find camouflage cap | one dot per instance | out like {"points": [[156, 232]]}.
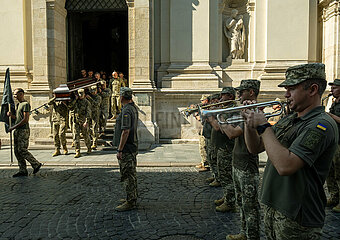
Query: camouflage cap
{"points": [[300, 73], [336, 82], [249, 84], [204, 96], [94, 88], [229, 90], [81, 91], [125, 92], [214, 96]]}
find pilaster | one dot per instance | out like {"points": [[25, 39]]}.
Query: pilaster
{"points": [[331, 37], [141, 68]]}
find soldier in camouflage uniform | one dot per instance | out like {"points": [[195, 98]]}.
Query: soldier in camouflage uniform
{"points": [[82, 118], [95, 100], [60, 124], [105, 93], [22, 134], [212, 148], [245, 170], [122, 78], [333, 179], [300, 149], [202, 142], [117, 83], [126, 140], [224, 158]]}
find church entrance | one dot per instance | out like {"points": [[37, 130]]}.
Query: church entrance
{"points": [[97, 36]]}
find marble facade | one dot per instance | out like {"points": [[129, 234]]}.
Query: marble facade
{"points": [[177, 52]]}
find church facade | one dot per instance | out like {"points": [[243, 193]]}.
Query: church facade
{"points": [[172, 51]]}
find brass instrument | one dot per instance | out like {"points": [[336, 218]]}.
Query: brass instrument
{"points": [[239, 118], [190, 110], [325, 98]]}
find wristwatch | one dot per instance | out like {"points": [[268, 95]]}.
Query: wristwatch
{"points": [[261, 128]]}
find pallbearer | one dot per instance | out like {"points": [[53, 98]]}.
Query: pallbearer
{"points": [[81, 120]]}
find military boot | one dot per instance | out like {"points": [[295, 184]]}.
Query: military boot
{"points": [[94, 147], [65, 150], [336, 208], [210, 179], [225, 208], [239, 236], [56, 153], [89, 150], [215, 184], [126, 206], [219, 202], [77, 154]]}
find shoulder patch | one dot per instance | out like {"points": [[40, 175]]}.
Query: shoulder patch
{"points": [[312, 139], [321, 126]]}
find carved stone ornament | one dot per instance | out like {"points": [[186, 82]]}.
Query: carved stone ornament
{"points": [[234, 31]]}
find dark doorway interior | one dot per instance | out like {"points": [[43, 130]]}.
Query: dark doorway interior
{"points": [[97, 41]]}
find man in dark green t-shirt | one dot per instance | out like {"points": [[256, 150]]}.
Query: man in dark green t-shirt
{"points": [[22, 134], [300, 148], [224, 156], [245, 170], [333, 179], [125, 138]]}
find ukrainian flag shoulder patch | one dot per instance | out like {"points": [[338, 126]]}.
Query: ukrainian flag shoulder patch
{"points": [[321, 126]]}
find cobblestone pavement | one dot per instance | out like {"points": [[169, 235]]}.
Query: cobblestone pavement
{"points": [[78, 203]]}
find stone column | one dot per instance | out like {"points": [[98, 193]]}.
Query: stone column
{"points": [[141, 68], [49, 59], [331, 38]]}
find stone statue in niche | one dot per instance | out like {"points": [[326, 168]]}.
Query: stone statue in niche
{"points": [[235, 33]]}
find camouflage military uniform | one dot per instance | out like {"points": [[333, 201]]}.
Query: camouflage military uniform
{"points": [[295, 204], [333, 179], [60, 119], [21, 139], [81, 114], [95, 101], [203, 150], [128, 119], [104, 108], [224, 167], [246, 178], [116, 105]]}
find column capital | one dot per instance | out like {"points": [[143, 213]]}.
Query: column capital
{"points": [[130, 3]]}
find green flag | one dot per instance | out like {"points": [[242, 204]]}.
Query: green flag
{"points": [[7, 98]]}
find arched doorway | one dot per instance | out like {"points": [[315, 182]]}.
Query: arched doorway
{"points": [[97, 36]]}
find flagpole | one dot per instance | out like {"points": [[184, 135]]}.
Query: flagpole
{"points": [[10, 133]]}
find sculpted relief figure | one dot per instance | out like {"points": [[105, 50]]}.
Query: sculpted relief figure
{"points": [[235, 33]]}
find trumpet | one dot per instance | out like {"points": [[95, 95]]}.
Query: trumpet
{"points": [[190, 110], [238, 118], [326, 98]]}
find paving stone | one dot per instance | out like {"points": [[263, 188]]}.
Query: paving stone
{"points": [[78, 203]]}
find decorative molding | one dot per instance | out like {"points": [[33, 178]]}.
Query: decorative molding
{"points": [[331, 10], [130, 3], [251, 6]]}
